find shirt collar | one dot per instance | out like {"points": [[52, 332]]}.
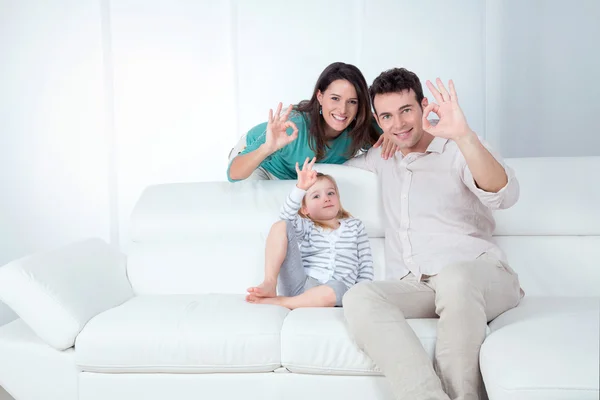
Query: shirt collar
{"points": [[437, 145]]}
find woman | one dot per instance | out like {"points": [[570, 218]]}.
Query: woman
{"points": [[333, 126]]}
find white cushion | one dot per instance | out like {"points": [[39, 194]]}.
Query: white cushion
{"points": [[185, 211], [532, 307], [555, 265], [317, 341], [6, 314], [558, 197], [212, 265], [183, 333], [265, 386], [56, 293], [31, 369], [174, 211], [183, 233], [544, 349]]}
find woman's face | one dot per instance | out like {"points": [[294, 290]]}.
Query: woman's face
{"points": [[340, 106]]}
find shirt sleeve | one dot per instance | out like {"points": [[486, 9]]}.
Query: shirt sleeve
{"points": [[505, 197], [369, 161], [255, 138], [289, 212], [365, 258]]}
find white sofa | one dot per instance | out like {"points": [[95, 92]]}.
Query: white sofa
{"points": [[169, 321]]}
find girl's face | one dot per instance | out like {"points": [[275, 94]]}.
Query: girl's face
{"points": [[339, 104], [321, 202]]}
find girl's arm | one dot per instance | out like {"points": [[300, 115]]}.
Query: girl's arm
{"points": [[291, 206], [289, 211]]}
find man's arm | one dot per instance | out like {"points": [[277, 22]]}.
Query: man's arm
{"points": [[482, 172], [452, 124], [488, 173], [498, 198]]}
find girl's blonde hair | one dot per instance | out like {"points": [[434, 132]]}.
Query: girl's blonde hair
{"points": [[342, 214]]}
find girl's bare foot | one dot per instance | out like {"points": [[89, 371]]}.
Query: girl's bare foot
{"points": [[278, 300], [266, 289]]}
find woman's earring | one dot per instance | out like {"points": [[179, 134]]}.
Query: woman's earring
{"points": [[321, 110]]}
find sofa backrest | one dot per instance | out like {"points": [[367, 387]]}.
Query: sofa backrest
{"points": [[209, 237]]}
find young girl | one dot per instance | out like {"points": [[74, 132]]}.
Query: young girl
{"points": [[317, 250]]}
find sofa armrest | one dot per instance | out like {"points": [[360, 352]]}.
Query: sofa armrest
{"points": [[56, 293]]}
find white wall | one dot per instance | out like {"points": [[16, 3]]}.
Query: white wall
{"points": [[541, 74], [53, 148], [280, 58], [99, 98], [433, 39], [174, 90]]}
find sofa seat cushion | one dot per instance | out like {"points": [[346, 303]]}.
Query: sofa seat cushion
{"points": [[546, 348], [183, 333], [317, 341]]}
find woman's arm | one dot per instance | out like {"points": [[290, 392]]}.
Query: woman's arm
{"points": [[242, 166], [275, 138]]}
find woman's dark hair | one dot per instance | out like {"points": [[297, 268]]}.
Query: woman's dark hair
{"points": [[362, 132]]}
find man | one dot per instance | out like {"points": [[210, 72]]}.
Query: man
{"points": [[438, 193]]}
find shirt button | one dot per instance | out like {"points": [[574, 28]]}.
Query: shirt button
{"points": [[405, 236], [404, 196]]}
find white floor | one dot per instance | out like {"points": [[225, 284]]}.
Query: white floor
{"points": [[4, 395]]}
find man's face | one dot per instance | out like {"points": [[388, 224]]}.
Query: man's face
{"points": [[400, 115]]}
